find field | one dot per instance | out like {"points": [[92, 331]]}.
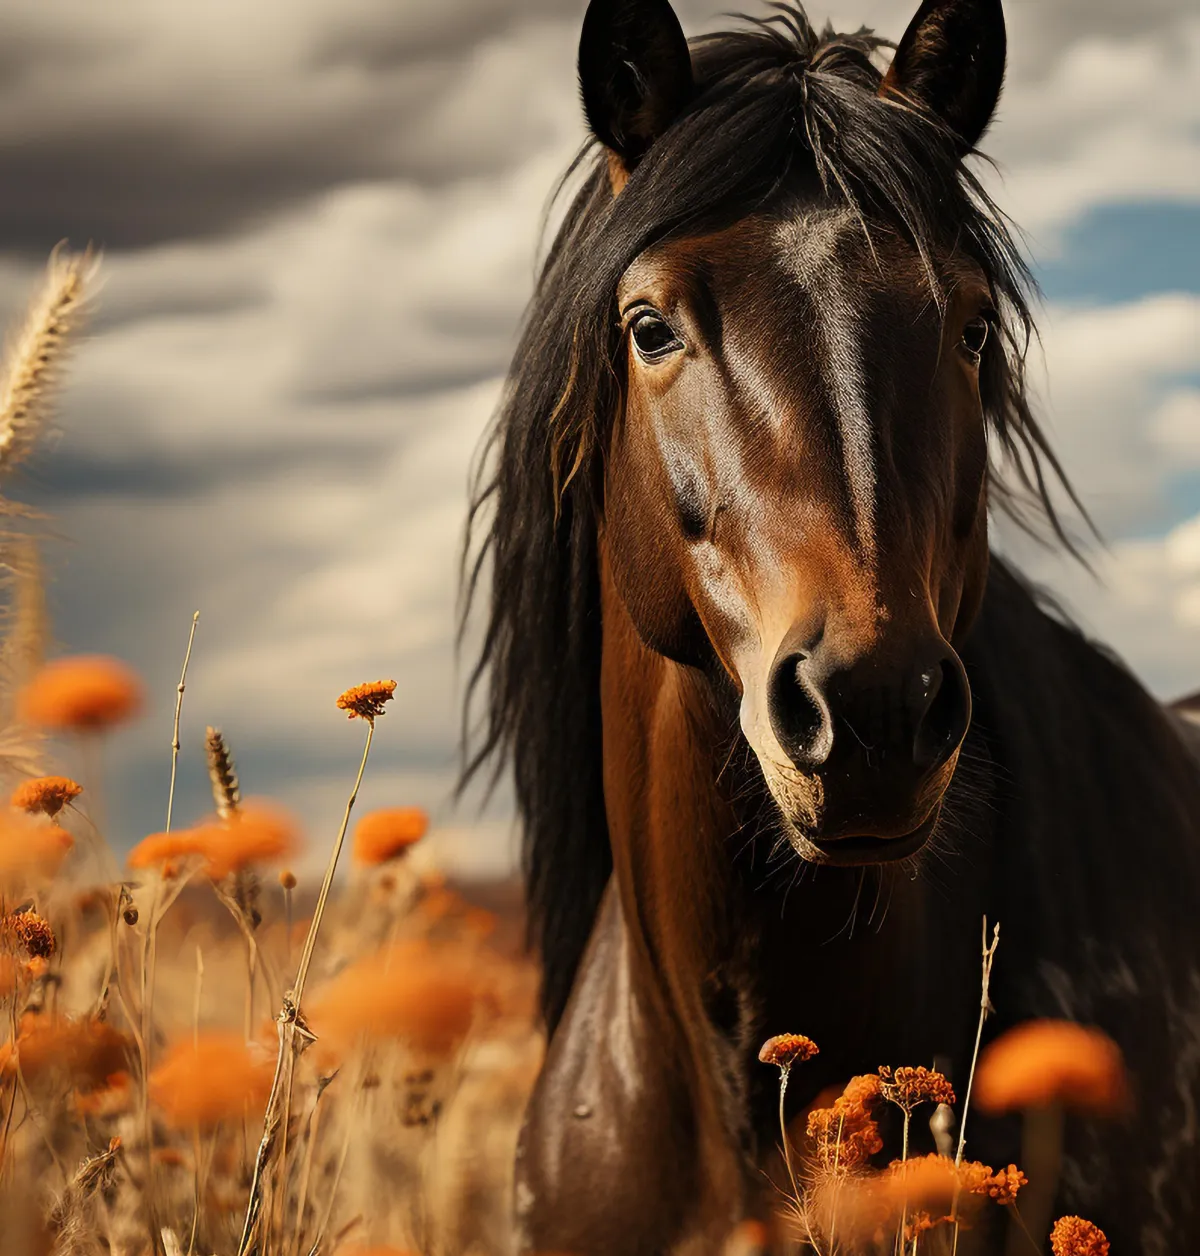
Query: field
{"points": [[202, 1055]]}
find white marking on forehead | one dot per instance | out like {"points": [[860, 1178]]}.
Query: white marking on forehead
{"points": [[808, 245]]}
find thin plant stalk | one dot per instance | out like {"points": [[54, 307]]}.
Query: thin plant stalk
{"points": [[837, 1188], [150, 940], [178, 710], [787, 1150], [989, 956], [290, 1023], [903, 1159], [351, 1127], [314, 1125]]}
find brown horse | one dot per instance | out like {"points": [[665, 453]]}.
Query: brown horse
{"points": [[781, 731]]}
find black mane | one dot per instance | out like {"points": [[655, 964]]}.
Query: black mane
{"points": [[778, 109]]}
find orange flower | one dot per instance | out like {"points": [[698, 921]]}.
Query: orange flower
{"points": [[923, 1182], [211, 1081], [908, 1087], [47, 794], [382, 835], [29, 847], [163, 848], [1042, 1062], [88, 1051], [257, 832], [784, 1050], [410, 990], [1004, 1185], [366, 701], [31, 932], [846, 1135], [82, 692], [1073, 1236]]}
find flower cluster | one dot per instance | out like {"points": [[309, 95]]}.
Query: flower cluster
{"points": [[213, 1079], [1045, 1062], [1073, 1236], [908, 1087], [367, 701], [84, 693], [46, 794], [257, 832], [784, 1050], [383, 834], [29, 932], [846, 1135]]}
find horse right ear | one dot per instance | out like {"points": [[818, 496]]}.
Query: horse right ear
{"points": [[635, 73]]}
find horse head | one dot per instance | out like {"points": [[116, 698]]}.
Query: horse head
{"points": [[795, 481]]}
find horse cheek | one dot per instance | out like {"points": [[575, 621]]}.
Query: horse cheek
{"points": [[647, 559]]}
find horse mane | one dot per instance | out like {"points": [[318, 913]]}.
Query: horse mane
{"points": [[778, 109]]}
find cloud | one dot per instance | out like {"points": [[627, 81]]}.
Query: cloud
{"points": [[1108, 384], [1143, 601]]}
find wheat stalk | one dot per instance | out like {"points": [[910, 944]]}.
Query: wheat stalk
{"points": [[36, 353], [227, 793]]}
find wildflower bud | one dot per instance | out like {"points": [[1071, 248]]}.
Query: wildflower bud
{"points": [[784, 1050], [287, 879], [130, 916]]}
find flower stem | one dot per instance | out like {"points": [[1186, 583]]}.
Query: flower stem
{"points": [[311, 940], [989, 955], [787, 1147], [290, 1025]]}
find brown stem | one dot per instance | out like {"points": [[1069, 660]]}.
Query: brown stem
{"points": [[291, 1025]]}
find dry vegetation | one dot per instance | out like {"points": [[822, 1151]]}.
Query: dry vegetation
{"points": [[200, 1056]]}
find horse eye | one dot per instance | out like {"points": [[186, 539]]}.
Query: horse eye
{"points": [[975, 336], [653, 336]]}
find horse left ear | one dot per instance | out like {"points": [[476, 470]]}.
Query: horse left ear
{"points": [[951, 62], [635, 74]]}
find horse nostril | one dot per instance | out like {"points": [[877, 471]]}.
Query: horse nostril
{"points": [[799, 717], [947, 702]]}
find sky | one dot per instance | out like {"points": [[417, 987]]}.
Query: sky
{"points": [[320, 223]]}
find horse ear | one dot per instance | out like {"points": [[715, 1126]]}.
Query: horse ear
{"points": [[951, 62], [635, 73]]}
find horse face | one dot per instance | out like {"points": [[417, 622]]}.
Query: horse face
{"points": [[795, 496], [795, 487]]}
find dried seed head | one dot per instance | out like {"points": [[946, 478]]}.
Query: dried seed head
{"points": [[130, 916], [227, 794], [367, 701], [908, 1087], [784, 1050], [1073, 1236], [287, 878], [36, 353], [46, 794], [29, 931]]}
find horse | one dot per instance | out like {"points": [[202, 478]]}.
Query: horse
{"points": [[782, 727]]}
